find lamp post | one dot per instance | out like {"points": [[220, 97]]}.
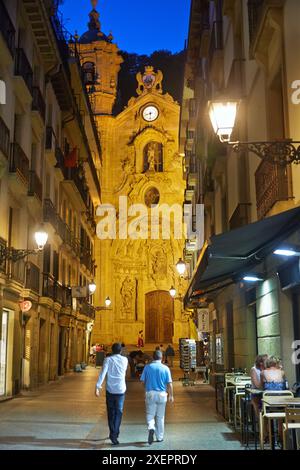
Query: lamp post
{"points": [[14, 255], [106, 306], [223, 116]]}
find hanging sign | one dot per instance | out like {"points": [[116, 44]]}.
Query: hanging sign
{"points": [[203, 319], [25, 306], [79, 292]]}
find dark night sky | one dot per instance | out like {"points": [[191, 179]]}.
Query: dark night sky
{"points": [[137, 26]]}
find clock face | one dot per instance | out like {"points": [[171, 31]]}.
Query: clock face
{"points": [[150, 113]]}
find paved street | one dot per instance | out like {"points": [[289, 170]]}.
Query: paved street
{"points": [[66, 415]]}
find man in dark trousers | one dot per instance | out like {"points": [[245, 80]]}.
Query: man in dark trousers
{"points": [[114, 367]]}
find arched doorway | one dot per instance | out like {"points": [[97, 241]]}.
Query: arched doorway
{"points": [[159, 317]]}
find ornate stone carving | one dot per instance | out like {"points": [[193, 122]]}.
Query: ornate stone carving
{"points": [[159, 264], [150, 81], [128, 294]]}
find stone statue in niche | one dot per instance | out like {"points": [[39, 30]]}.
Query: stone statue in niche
{"points": [[159, 265], [127, 293], [151, 158]]}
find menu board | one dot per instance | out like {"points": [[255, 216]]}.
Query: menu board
{"points": [[219, 349]]}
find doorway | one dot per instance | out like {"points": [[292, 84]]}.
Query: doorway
{"points": [[159, 317]]}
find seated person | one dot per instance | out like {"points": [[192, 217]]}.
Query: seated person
{"points": [[273, 376]]}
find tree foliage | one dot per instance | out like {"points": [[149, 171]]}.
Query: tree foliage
{"points": [[172, 66]]}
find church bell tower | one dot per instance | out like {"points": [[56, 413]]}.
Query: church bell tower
{"points": [[101, 62]]}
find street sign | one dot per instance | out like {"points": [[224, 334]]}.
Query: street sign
{"points": [[80, 292], [25, 306], [203, 319]]}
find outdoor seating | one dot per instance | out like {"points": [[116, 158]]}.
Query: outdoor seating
{"points": [[292, 422]]}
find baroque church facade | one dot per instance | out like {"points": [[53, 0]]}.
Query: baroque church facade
{"points": [[140, 165]]}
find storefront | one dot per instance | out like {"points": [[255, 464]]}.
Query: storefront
{"points": [[6, 353], [255, 292]]}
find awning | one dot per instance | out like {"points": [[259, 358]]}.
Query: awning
{"points": [[227, 257]]}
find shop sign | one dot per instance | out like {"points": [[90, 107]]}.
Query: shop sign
{"points": [[79, 292], [25, 306], [2, 92], [203, 319]]}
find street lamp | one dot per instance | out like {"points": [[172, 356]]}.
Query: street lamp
{"points": [[92, 288], [223, 115], [107, 305], [172, 292], [8, 253], [181, 267]]}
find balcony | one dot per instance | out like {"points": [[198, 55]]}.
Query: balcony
{"points": [[87, 310], [32, 277], [8, 33], [258, 10], [241, 216], [60, 227], [23, 77], [35, 185], [38, 109], [48, 289], [17, 271], [4, 139], [192, 174], [272, 186], [50, 138], [3, 245], [19, 166], [86, 259]]}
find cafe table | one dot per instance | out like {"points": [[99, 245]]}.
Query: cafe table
{"points": [[278, 404]]}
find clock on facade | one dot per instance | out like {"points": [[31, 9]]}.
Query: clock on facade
{"points": [[150, 113]]}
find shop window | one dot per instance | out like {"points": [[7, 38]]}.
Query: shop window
{"points": [[3, 352]]}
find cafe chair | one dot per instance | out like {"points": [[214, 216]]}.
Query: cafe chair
{"points": [[266, 413], [292, 422]]}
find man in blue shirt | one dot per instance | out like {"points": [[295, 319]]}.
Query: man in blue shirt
{"points": [[158, 383]]}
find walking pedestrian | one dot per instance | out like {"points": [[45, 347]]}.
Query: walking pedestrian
{"points": [[114, 367], [169, 355], [158, 384]]}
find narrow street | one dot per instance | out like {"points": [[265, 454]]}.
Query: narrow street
{"points": [[65, 415]]}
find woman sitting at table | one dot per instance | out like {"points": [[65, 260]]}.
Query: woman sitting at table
{"points": [[255, 374], [273, 377]]}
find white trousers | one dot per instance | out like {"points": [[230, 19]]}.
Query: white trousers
{"points": [[155, 412]]}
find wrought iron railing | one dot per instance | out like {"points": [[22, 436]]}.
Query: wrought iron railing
{"points": [[216, 40], [50, 138], [88, 310], [255, 9], [272, 185], [19, 162], [3, 266], [38, 103], [7, 28], [48, 289], [23, 68], [35, 185], [4, 138], [32, 277]]}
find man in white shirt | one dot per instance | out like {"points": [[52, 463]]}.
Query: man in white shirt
{"points": [[114, 367]]}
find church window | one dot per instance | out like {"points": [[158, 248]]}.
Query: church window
{"points": [[153, 157], [89, 73]]}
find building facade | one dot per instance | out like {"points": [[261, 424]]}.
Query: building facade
{"points": [[50, 160], [245, 51], [141, 165]]}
